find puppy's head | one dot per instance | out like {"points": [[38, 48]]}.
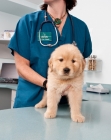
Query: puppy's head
{"points": [[66, 62]]}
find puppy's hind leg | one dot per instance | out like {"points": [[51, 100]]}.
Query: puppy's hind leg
{"points": [[52, 104], [43, 102]]}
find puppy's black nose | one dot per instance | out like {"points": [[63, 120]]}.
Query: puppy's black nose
{"points": [[66, 70]]}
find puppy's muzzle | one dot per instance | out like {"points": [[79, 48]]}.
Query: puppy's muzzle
{"points": [[66, 70]]}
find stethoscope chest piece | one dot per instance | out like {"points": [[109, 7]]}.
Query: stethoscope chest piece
{"points": [[74, 43]]}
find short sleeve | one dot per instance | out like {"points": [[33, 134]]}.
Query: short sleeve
{"points": [[20, 41], [88, 44]]}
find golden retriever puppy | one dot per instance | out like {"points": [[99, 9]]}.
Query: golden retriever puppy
{"points": [[65, 77]]}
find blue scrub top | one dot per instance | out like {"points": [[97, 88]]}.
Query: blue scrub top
{"points": [[25, 42]]}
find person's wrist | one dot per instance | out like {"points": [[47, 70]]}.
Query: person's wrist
{"points": [[45, 84]]}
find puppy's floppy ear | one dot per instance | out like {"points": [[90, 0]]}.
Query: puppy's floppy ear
{"points": [[50, 64], [82, 66]]}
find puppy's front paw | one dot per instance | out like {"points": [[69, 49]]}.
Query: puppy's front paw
{"points": [[78, 118], [49, 115], [40, 105]]}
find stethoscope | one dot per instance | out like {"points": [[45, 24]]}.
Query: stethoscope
{"points": [[49, 21]]}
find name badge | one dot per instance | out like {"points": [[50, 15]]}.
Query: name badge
{"points": [[45, 36]]}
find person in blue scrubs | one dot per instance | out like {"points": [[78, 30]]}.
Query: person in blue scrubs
{"points": [[31, 57]]}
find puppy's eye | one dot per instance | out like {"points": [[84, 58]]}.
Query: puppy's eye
{"points": [[61, 59], [73, 61]]}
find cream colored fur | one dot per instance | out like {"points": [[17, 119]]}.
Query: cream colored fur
{"points": [[65, 76]]}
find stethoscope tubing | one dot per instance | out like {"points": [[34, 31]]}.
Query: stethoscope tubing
{"points": [[48, 21], [49, 45]]}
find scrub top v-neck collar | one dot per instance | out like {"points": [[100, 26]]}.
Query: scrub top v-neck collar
{"points": [[64, 29]]}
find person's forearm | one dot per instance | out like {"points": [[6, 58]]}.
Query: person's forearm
{"points": [[30, 75], [26, 72]]}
